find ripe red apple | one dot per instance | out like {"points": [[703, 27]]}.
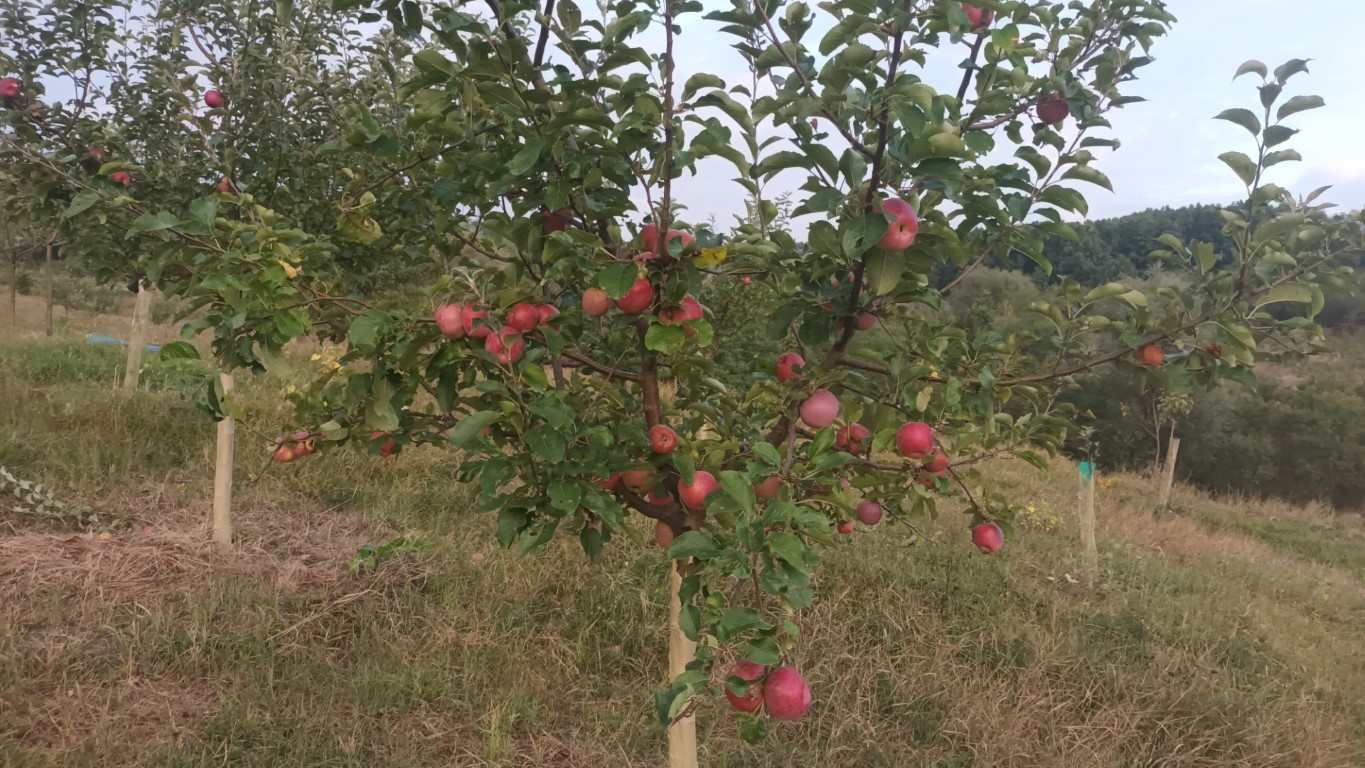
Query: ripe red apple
{"points": [[637, 299], [851, 438], [846, 527], [979, 17], [785, 694], [820, 409], [768, 488], [900, 232], [1150, 354], [869, 512], [596, 302], [865, 320], [694, 494], [450, 319], [121, 177], [284, 454], [749, 672], [556, 221], [385, 450], [915, 439], [692, 308], [611, 482], [224, 186], [640, 480], [9, 87], [662, 439], [213, 99], [938, 462], [663, 535], [1215, 351], [649, 238], [476, 322], [1052, 108], [523, 317], [660, 496], [988, 538], [506, 345], [546, 311], [789, 366], [98, 153]]}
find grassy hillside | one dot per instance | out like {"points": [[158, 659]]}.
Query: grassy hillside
{"points": [[1226, 633]]}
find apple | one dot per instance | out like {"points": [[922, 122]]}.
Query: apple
{"points": [[789, 366], [694, 493], [98, 153], [121, 177], [851, 438], [663, 534], [820, 409], [213, 99], [284, 454], [224, 186], [748, 280], [640, 480], [660, 496], [596, 302], [869, 512], [865, 320], [662, 439], [385, 450], [692, 309], [547, 312], [1150, 354], [450, 319], [523, 317], [637, 299], [1215, 351], [506, 345], [749, 672], [768, 488], [1052, 108], [988, 538], [473, 329], [556, 221], [900, 232], [979, 17], [9, 87], [915, 439], [611, 482], [846, 527], [938, 462], [649, 237], [785, 694]]}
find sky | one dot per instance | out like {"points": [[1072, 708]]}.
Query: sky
{"points": [[1171, 142]]}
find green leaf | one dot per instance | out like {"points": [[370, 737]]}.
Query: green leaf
{"points": [[1278, 134], [80, 203], [179, 350], [1289, 69], [591, 539], [546, 442], [1299, 104], [617, 279], [1281, 156], [668, 339], [1243, 117], [790, 548], [380, 414], [468, 428], [205, 211], [739, 620], [1241, 165], [763, 650], [1296, 293], [699, 81], [429, 60], [1086, 173], [1135, 299], [1252, 65], [696, 544], [737, 486], [565, 496], [153, 222], [1106, 291], [510, 523], [1204, 255], [860, 235], [884, 270], [527, 157]]}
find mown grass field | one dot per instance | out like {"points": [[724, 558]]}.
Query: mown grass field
{"points": [[1224, 633]]}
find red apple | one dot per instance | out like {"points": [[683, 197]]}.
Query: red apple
{"points": [[1150, 354], [640, 480], [476, 322], [9, 87], [506, 345], [694, 494], [915, 439], [556, 221], [98, 153], [637, 299], [121, 177], [450, 319], [900, 232], [649, 238], [938, 462], [768, 488], [988, 538], [865, 320], [1215, 351], [546, 311], [979, 17], [596, 302], [785, 694], [523, 317], [611, 482], [789, 366], [752, 673], [747, 280], [851, 438], [820, 409], [224, 186], [660, 496], [692, 309], [846, 527], [869, 512], [663, 535], [213, 99], [662, 439], [1052, 108], [284, 454], [385, 450]]}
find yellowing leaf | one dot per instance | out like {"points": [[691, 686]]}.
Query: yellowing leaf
{"points": [[710, 257]]}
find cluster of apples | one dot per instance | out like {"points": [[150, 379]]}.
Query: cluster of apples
{"points": [[508, 343], [782, 691], [297, 445]]}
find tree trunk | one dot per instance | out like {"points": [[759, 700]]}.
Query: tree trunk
{"points": [[1172, 451], [49, 288], [682, 735], [1089, 553], [222, 475], [138, 338]]}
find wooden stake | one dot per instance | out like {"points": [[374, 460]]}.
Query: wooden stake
{"points": [[1172, 451], [682, 735], [222, 475], [49, 288], [138, 338], [1089, 553]]}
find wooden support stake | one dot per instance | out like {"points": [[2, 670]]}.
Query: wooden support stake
{"points": [[138, 338], [49, 288], [222, 475], [682, 734], [1089, 553], [1172, 451]]}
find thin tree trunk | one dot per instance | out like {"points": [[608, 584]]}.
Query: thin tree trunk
{"points": [[49, 288], [222, 475], [138, 338], [682, 734]]}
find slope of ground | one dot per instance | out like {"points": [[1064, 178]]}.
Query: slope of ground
{"points": [[1222, 633]]}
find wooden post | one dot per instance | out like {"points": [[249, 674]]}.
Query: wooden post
{"points": [[1090, 555], [682, 734], [138, 338], [1172, 451], [49, 287], [222, 475], [14, 291]]}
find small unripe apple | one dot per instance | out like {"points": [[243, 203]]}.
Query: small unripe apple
{"points": [[662, 439], [865, 321], [901, 231], [869, 512], [846, 527], [476, 322], [789, 366], [988, 537], [506, 345], [785, 694], [213, 99], [640, 480], [663, 534], [768, 488], [1052, 108], [694, 494], [820, 409], [121, 177], [596, 302], [224, 186], [851, 438], [523, 317], [284, 454], [637, 299], [979, 17], [386, 449], [1150, 354], [450, 319], [938, 462], [9, 87], [752, 673], [915, 439]]}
